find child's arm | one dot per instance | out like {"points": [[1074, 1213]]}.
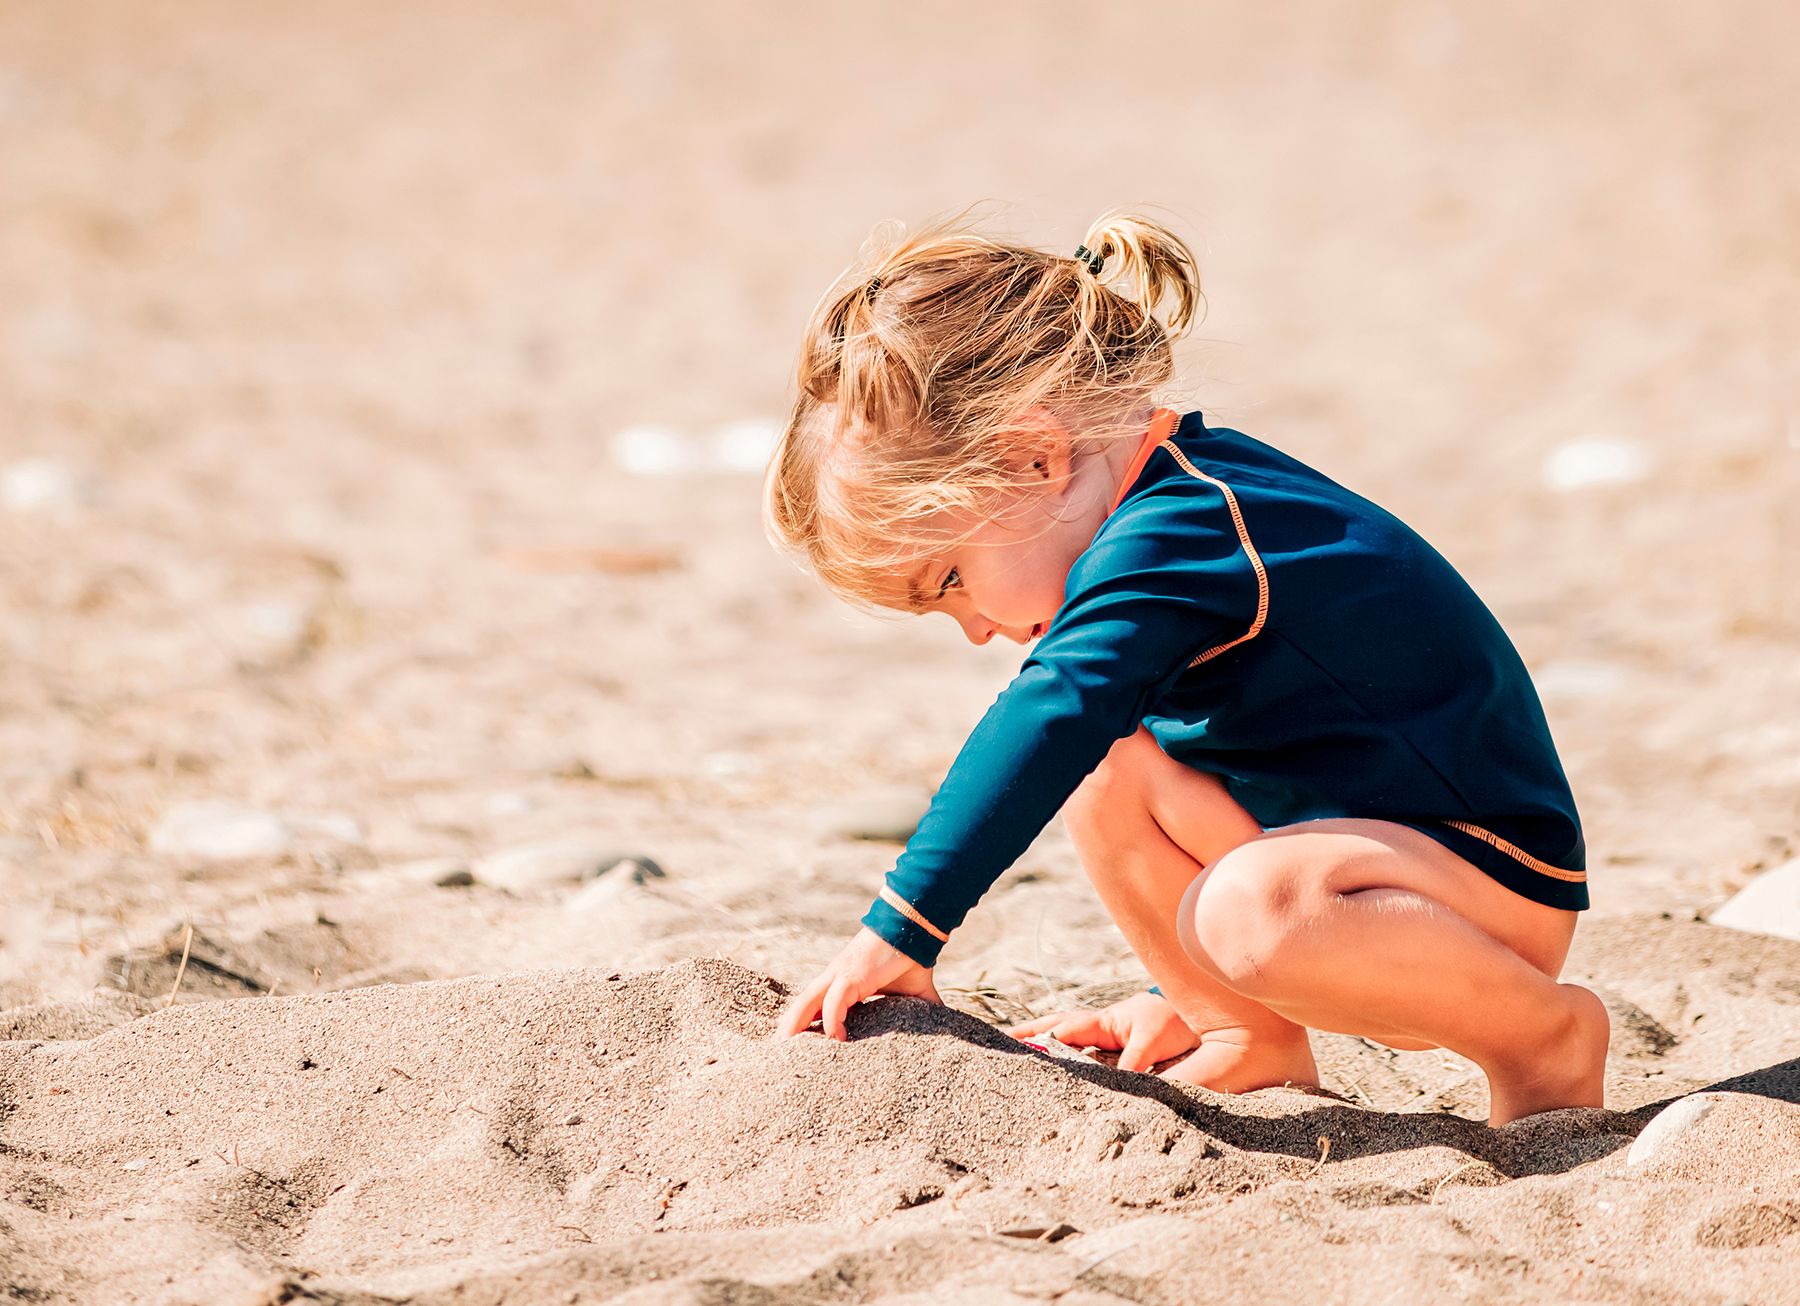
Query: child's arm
{"points": [[1167, 583], [1143, 603]]}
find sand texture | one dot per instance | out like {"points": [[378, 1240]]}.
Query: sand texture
{"points": [[599, 1133], [420, 784]]}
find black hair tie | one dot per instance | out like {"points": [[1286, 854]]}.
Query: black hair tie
{"points": [[1089, 259]]}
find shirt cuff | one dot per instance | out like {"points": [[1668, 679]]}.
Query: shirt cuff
{"points": [[901, 933]]}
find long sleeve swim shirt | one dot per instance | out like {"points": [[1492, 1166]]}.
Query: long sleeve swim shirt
{"points": [[1276, 630]]}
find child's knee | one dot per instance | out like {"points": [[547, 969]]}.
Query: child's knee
{"points": [[1241, 919]]}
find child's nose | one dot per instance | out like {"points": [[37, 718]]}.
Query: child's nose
{"points": [[977, 629]]}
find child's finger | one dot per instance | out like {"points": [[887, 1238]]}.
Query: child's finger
{"points": [[1036, 1024], [803, 1010], [838, 1002], [1136, 1055], [1086, 1029]]}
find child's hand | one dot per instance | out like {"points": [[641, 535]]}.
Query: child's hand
{"points": [[868, 965], [1144, 1029]]}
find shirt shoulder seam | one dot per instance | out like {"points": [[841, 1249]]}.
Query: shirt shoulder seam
{"points": [[1244, 542]]}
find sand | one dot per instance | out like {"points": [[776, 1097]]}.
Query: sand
{"points": [[590, 1134], [376, 384]]}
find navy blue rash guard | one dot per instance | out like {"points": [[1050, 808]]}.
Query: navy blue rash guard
{"points": [[1276, 630]]}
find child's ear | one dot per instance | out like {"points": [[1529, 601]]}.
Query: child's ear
{"points": [[1051, 456]]}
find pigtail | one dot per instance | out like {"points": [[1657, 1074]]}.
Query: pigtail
{"points": [[879, 374], [920, 368], [1152, 261]]}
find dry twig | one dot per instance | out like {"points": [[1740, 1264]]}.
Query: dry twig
{"points": [[1324, 1151], [1447, 1178], [187, 944]]}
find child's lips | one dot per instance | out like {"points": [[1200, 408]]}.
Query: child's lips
{"points": [[1037, 630]]}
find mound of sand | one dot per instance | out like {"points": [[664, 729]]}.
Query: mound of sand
{"points": [[585, 1134]]}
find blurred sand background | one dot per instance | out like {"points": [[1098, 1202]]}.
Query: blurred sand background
{"points": [[380, 387]]}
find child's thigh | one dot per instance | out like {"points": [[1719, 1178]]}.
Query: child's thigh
{"points": [[1289, 875]]}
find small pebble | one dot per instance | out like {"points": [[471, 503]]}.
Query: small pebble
{"points": [[136, 1165], [541, 865], [888, 816], [220, 830], [744, 446], [435, 872], [39, 484], [615, 877], [1769, 904], [329, 826], [653, 451], [1580, 464], [273, 630], [730, 766], [636, 868], [1574, 678]]}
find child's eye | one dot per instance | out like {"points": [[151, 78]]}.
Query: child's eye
{"points": [[951, 581]]}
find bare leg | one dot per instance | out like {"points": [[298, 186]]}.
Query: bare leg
{"points": [[1141, 873], [1368, 927]]}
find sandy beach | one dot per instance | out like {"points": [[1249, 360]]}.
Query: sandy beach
{"points": [[420, 782]]}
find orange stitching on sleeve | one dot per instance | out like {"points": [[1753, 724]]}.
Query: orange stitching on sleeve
{"points": [[907, 910], [1256, 562], [1517, 853]]}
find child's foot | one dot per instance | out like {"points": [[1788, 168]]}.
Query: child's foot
{"points": [[1569, 1070], [1235, 1061]]}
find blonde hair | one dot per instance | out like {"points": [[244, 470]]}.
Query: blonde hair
{"points": [[920, 362]]}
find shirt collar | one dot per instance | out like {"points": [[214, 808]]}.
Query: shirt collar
{"points": [[1162, 425]]}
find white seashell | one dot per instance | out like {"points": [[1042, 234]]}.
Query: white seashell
{"points": [[1670, 1124], [1769, 904]]}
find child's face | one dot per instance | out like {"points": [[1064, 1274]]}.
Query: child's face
{"points": [[1009, 576]]}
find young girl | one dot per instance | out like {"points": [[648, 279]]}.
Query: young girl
{"points": [[1301, 762]]}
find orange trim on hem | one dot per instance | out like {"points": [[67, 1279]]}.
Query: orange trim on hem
{"points": [[1518, 854], [1162, 425], [907, 910]]}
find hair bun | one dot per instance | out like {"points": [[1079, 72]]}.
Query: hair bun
{"points": [[1154, 265]]}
